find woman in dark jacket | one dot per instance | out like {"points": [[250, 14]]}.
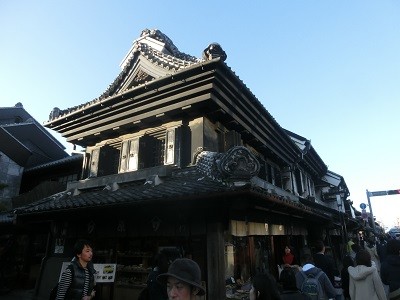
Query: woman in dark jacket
{"points": [[390, 269], [264, 287], [344, 275], [289, 288], [156, 290], [77, 281]]}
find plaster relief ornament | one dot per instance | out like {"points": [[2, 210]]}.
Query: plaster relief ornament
{"points": [[239, 163], [236, 166]]}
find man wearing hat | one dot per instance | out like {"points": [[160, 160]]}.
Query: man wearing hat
{"points": [[183, 280]]}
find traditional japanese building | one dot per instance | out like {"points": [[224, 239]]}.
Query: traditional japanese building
{"points": [[24, 144], [180, 153]]}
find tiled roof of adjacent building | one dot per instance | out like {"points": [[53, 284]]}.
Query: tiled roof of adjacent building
{"points": [[59, 162], [182, 185], [218, 176]]}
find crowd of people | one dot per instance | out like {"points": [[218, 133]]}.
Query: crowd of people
{"points": [[369, 271], [372, 270]]}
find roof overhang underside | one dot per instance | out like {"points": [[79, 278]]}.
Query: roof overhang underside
{"points": [[209, 89], [11, 147]]}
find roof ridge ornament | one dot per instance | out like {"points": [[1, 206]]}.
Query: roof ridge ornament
{"points": [[214, 50], [168, 44]]}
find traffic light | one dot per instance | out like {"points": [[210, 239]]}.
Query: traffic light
{"points": [[393, 192]]}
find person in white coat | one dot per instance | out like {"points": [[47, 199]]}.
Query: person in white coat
{"points": [[365, 282]]}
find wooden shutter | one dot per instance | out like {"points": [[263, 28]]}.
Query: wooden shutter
{"points": [[94, 162], [169, 157], [133, 159], [123, 164]]}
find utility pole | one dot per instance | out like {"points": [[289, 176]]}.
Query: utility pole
{"points": [[370, 212], [379, 193]]}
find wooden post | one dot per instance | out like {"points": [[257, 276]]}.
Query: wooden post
{"points": [[215, 261]]}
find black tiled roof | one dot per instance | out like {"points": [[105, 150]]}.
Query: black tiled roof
{"points": [[66, 160], [215, 175], [184, 184], [171, 62], [160, 59]]}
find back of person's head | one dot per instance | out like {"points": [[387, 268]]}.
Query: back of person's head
{"points": [[265, 287], [165, 257], [79, 245], [288, 279], [393, 247], [162, 262], [319, 246], [348, 262], [307, 259], [363, 258]]}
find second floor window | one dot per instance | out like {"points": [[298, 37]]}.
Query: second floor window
{"points": [[148, 151]]}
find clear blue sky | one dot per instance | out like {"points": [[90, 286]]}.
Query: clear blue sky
{"points": [[327, 70]]}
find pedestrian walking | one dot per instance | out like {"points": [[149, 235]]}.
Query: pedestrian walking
{"points": [[381, 248], [349, 244], [163, 260], [77, 281], [365, 282], [264, 287], [390, 269], [310, 271], [289, 288], [324, 262], [354, 250], [344, 276]]}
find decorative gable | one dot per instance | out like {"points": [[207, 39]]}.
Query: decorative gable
{"points": [[151, 56], [138, 77]]}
